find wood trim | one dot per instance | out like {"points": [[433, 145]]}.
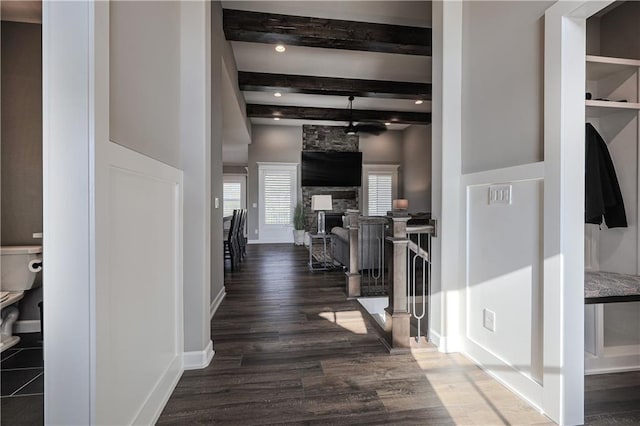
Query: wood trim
{"points": [[311, 85], [273, 28], [335, 114]]}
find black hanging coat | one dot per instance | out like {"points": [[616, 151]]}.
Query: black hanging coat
{"points": [[602, 192]]}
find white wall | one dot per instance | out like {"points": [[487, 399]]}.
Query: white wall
{"points": [[502, 142], [139, 269], [416, 167], [115, 341], [145, 78], [503, 83], [196, 145], [504, 275]]}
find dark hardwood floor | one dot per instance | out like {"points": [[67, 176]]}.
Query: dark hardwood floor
{"points": [[612, 399], [291, 349]]}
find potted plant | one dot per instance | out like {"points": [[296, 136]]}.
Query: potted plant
{"points": [[298, 225]]}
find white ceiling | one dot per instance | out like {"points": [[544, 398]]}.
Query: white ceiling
{"points": [[259, 57], [299, 99]]}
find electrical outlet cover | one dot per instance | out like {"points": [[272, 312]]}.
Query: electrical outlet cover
{"points": [[489, 320]]}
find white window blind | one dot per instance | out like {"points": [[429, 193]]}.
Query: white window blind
{"points": [[278, 189], [231, 197], [380, 193]]}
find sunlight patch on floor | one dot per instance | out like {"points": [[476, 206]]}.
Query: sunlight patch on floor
{"points": [[349, 320]]}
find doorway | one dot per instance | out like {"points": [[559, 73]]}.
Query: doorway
{"points": [[22, 366], [567, 41], [278, 189]]}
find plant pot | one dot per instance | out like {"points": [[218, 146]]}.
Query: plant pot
{"points": [[298, 237]]}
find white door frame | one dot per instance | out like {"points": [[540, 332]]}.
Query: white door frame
{"points": [[75, 124], [564, 118], [285, 236]]}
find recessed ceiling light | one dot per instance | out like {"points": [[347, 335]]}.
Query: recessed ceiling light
{"points": [[280, 48], [419, 102], [277, 94], [276, 118], [387, 124]]}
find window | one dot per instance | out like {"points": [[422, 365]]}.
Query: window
{"points": [[379, 188], [277, 197], [231, 197], [380, 193]]}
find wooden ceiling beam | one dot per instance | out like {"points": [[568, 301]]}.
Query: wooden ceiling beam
{"points": [[310, 85], [334, 114], [272, 28]]}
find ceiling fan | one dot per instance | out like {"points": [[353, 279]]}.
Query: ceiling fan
{"points": [[371, 128]]}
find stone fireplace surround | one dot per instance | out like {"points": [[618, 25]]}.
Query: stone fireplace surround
{"points": [[328, 138]]}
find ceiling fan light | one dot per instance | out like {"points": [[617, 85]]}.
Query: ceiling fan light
{"points": [[280, 48]]}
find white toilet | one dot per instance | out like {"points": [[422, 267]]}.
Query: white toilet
{"points": [[19, 267]]}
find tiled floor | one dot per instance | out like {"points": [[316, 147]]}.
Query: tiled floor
{"points": [[22, 382]]}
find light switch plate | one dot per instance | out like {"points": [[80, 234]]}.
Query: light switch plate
{"points": [[254, 205], [500, 194], [216, 202]]}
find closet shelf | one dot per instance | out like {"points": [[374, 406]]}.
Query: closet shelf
{"points": [[600, 108], [599, 67]]}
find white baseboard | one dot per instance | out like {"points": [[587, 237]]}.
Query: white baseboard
{"points": [[446, 344], [155, 402], [215, 303], [616, 359], [27, 326], [196, 360], [435, 338]]}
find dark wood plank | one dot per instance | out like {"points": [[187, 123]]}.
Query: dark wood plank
{"points": [[272, 28], [612, 399], [336, 114], [290, 348], [310, 85]]}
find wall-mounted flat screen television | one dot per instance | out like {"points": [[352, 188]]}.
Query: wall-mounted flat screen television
{"points": [[331, 168]]}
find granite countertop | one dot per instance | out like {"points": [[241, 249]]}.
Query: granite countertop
{"points": [[610, 287]]}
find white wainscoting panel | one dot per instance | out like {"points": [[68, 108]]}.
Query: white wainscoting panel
{"points": [[504, 276], [139, 323]]}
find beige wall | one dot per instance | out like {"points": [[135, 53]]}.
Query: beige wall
{"points": [[416, 168], [22, 143], [218, 52], [145, 78], [385, 148], [502, 81], [620, 31], [21, 133]]}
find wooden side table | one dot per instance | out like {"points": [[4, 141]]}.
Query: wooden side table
{"points": [[327, 261]]}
